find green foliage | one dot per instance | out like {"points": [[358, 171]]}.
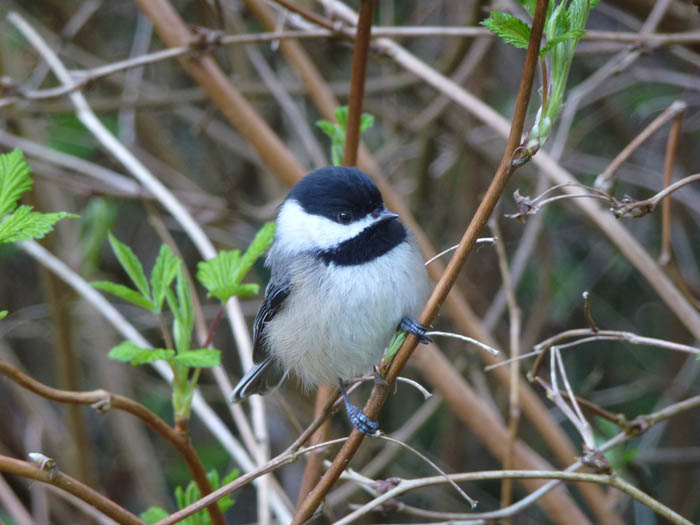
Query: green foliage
{"points": [[201, 358], [164, 271], [162, 275], [129, 352], [168, 283], [563, 28], [124, 292], [14, 180], [512, 30], [3, 314], [337, 131], [190, 495], [21, 224], [222, 275]]}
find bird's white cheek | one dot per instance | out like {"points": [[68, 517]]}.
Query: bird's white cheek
{"points": [[298, 231]]}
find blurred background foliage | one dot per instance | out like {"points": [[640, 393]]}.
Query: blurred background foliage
{"points": [[440, 166]]}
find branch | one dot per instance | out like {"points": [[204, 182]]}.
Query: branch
{"points": [[602, 479], [53, 476], [102, 401]]}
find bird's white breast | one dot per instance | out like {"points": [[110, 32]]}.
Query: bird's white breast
{"points": [[337, 320]]}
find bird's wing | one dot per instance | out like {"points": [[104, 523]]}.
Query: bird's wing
{"points": [[275, 295], [265, 375]]}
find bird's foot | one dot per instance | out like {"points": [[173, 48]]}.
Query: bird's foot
{"points": [[412, 326], [360, 421]]}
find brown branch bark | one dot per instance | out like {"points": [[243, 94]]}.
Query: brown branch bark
{"points": [[380, 392], [56, 478], [103, 400]]}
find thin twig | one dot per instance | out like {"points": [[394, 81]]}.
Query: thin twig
{"points": [[604, 180], [665, 254], [640, 208], [603, 479]]}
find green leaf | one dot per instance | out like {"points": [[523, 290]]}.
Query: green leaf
{"points": [[125, 351], [152, 355], [181, 306], [131, 265], [512, 30], [164, 271], [14, 180], [137, 355], [3, 314], [574, 35], [154, 514], [246, 289], [125, 293], [202, 358], [222, 274], [217, 274], [341, 115], [24, 224], [258, 247]]}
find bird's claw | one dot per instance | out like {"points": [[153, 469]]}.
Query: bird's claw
{"points": [[412, 326]]}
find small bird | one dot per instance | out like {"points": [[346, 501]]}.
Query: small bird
{"points": [[345, 274]]}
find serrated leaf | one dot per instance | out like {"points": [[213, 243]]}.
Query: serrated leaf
{"points": [[202, 358], [24, 224], [131, 264], [3, 314], [262, 241], [217, 274], [125, 351], [154, 514], [163, 273], [512, 30], [14, 180], [152, 355], [125, 293]]}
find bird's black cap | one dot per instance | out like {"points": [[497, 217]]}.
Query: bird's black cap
{"points": [[333, 190]]}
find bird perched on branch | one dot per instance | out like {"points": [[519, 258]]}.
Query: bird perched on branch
{"points": [[345, 274]]}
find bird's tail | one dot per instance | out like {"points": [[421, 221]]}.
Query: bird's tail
{"points": [[261, 379]]}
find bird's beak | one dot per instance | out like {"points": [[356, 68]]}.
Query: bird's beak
{"points": [[387, 215]]}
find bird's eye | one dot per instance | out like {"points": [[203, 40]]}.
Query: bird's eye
{"points": [[344, 217]]}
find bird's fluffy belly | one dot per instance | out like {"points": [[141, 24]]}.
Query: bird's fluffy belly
{"points": [[339, 328]]}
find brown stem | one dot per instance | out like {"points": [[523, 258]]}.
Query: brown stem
{"points": [[103, 400], [357, 81], [314, 461], [482, 214], [70, 485], [671, 146]]}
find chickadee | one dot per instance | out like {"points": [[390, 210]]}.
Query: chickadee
{"points": [[345, 273]]}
